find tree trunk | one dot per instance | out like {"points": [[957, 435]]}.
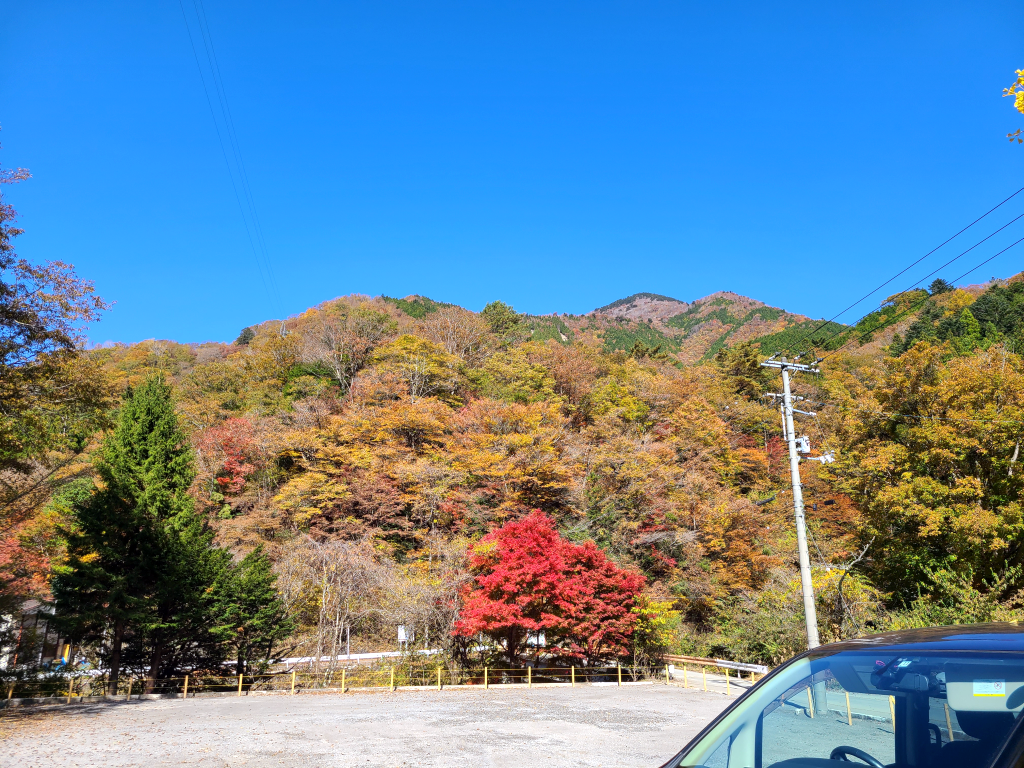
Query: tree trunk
{"points": [[115, 657], [154, 666], [512, 645]]}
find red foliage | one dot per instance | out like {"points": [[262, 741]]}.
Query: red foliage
{"points": [[231, 477], [231, 444], [24, 570], [529, 579], [596, 599]]}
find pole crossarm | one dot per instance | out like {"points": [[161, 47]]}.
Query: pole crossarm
{"points": [[795, 367]]}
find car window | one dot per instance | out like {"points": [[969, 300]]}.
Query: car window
{"points": [[720, 757], [812, 720], [918, 710]]}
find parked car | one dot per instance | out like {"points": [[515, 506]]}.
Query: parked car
{"points": [[943, 697]]}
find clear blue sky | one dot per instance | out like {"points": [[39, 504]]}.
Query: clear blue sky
{"points": [[554, 155]]}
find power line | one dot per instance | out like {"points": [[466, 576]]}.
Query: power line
{"points": [[204, 26], [824, 323], [922, 301], [266, 273]]}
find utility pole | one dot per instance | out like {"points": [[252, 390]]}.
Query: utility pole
{"points": [[810, 614]]}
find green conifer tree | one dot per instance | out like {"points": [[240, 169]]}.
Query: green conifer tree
{"points": [[970, 333], [140, 563], [505, 323], [250, 615]]}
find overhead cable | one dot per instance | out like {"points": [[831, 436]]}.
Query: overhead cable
{"points": [[930, 274], [824, 323], [253, 230]]}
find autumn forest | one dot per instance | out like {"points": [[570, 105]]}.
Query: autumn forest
{"points": [[617, 480]]}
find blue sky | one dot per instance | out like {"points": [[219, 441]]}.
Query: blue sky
{"points": [[554, 155]]}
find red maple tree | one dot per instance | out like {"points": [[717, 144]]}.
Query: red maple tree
{"points": [[596, 602], [228, 448], [519, 571], [529, 579]]}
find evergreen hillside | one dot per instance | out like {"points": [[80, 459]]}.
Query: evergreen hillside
{"points": [[697, 331]]}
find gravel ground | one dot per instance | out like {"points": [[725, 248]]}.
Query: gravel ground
{"points": [[640, 725]]}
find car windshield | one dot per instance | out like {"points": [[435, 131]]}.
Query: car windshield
{"points": [[877, 708]]}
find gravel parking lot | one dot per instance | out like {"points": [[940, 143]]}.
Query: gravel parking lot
{"points": [[641, 725]]}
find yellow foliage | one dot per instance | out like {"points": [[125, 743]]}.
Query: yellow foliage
{"points": [[425, 368], [509, 375], [954, 302], [1016, 90]]}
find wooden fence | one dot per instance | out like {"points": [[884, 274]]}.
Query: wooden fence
{"points": [[85, 687]]}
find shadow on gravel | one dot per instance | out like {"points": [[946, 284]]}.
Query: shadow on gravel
{"points": [[42, 711]]}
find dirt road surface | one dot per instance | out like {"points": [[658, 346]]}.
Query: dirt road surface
{"points": [[640, 725]]}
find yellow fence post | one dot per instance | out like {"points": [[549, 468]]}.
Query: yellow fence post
{"points": [[392, 679], [71, 688], [949, 725], [293, 683], [573, 678], [810, 703], [618, 666], [439, 678], [529, 677], [239, 685], [130, 681], [704, 673], [185, 694], [849, 713], [686, 683], [343, 688], [726, 681], [10, 691], [485, 678], [892, 711]]}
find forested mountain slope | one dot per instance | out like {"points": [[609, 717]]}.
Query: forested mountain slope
{"points": [[687, 332], [395, 433]]}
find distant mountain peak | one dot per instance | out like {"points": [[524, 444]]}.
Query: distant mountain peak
{"points": [[643, 307], [634, 299], [729, 296]]}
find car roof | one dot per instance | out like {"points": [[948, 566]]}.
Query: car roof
{"points": [[995, 636]]}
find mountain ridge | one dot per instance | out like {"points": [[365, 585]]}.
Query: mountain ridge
{"points": [[688, 332]]}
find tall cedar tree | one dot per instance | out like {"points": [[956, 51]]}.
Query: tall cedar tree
{"points": [[250, 615], [139, 560], [528, 578]]}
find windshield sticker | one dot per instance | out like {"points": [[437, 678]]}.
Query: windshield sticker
{"points": [[989, 687]]}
